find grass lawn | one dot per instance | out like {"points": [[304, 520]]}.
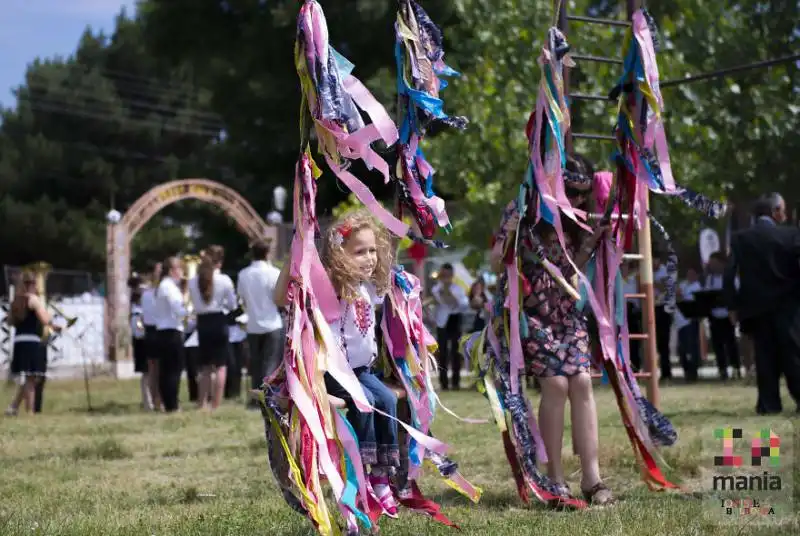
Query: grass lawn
{"points": [[121, 472]]}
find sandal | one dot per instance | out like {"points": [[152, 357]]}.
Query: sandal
{"points": [[599, 495]]}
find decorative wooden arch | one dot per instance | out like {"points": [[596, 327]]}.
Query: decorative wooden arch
{"points": [[120, 233]]}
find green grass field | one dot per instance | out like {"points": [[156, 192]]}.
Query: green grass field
{"points": [[122, 472]]}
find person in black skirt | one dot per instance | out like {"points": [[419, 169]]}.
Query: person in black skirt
{"points": [[29, 318], [139, 344], [151, 344], [212, 296], [170, 315]]}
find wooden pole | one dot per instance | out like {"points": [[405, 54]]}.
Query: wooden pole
{"points": [[646, 280]]}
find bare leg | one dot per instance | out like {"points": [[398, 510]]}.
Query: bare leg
{"points": [[13, 408], [584, 427], [152, 374], [551, 420], [203, 386], [219, 387], [29, 394], [147, 400]]}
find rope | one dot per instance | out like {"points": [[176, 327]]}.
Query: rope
{"points": [[558, 10]]}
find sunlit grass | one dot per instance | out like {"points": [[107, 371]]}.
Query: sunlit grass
{"points": [[119, 471]]}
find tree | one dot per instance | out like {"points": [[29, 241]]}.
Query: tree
{"points": [[243, 52], [91, 132], [728, 137]]}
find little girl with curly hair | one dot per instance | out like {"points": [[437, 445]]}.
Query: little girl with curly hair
{"points": [[357, 255]]}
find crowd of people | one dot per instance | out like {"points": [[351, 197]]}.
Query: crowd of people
{"points": [[207, 327], [187, 325]]}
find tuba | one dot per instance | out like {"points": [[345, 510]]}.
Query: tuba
{"points": [[190, 264]]}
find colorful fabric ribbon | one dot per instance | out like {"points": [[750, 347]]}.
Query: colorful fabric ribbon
{"points": [[497, 351], [309, 440], [419, 56]]}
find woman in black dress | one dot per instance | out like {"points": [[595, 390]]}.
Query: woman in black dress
{"points": [[139, 344], [213, 296], [29, 318]]}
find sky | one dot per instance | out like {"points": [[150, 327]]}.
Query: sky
{"points": [[46, 28]]}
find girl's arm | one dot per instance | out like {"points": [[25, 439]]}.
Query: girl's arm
{"points": [[282, 286], [587, 248]]}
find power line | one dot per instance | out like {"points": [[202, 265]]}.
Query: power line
{"points": [[129, 122], [730, 70], [53, 95]]}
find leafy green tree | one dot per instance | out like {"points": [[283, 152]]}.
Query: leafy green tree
{"points": [[91, 132], [730, 137]]}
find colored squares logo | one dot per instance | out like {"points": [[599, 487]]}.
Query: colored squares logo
{"points": [[765, 444], [728, 459]]}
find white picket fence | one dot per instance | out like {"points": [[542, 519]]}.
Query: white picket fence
{"points": [[80, 345]]}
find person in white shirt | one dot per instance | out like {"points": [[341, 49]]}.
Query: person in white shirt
{"points": [[688, 329], [663, 317], [170, 314], [151, 345], [723, 331], [212, 296], [139, 344], [256, 286], [451, 302]]}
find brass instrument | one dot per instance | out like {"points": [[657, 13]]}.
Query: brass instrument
{"points": [[40, 271], [190, 264], [48, 331]]}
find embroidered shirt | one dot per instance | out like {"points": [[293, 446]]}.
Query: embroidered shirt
{"points": [[355, 328]]}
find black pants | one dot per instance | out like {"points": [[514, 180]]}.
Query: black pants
{"points": [[777, 350], [192, 355], [635, 326], [233, 381], [449, 357], [723, 339], [689, 350], [171, 363], [39, 395], [265, 355], [663, 331]]}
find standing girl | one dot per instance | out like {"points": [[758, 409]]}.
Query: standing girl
{"points": [[212, 296], [170, 315], [358, 258], [139, 344], [151, 345], [555, 344], [29, 318]]}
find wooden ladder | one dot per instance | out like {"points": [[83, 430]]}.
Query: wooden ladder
{"points": [[644, 255]]}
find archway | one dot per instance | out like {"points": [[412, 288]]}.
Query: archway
{"points": [[122, 229]]}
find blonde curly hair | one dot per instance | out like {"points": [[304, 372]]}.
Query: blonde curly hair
{"points": [[342, 271]]}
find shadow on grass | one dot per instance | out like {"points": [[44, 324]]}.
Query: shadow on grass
{"points": [[107, 449], [703, 413], [107, 408]]}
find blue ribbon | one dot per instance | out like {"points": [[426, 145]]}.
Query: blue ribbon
{"points": [[351, 481]]}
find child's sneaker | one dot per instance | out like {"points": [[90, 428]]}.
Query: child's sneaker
{"points": [[380, 484]]}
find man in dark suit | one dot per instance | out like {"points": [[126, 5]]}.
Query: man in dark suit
{"points": [[766, 258]]}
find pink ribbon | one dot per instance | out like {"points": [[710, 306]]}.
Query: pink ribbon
{"points": [[364, 195]]}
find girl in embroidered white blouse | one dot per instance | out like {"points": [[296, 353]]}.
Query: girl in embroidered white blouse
{"points": [[357, 255]]}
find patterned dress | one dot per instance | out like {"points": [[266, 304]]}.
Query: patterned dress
{"points": [[557, 341], [558, 338]]}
